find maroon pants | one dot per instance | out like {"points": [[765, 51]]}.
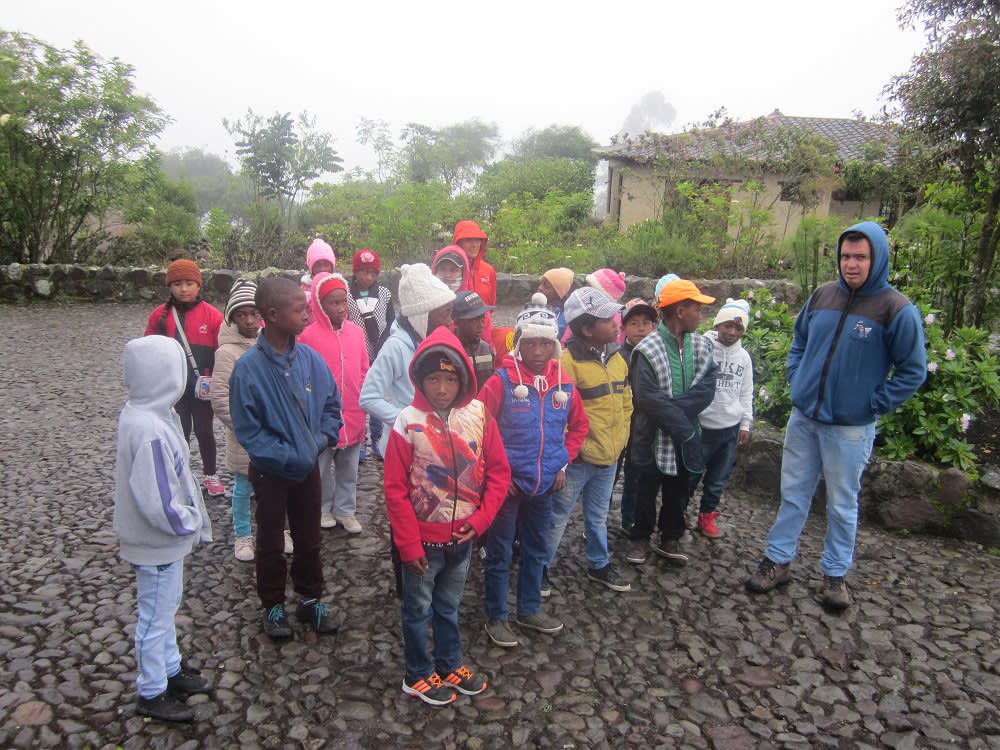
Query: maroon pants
{"points": [[300, 501], [190, 408]]}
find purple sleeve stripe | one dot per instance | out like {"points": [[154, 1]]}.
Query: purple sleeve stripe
{"points": [[163, 487]]}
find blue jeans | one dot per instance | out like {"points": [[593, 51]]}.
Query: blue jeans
{"points": [[839, 453], [338, 473], [241, 505], [434, 598], [594, 484], [158, 596], [719, 450], [528, 518]]}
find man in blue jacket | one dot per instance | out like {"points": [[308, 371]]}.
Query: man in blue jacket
{"points": [[285, 409], [857, 353]]}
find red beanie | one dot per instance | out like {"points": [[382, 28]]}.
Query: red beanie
{"points": [[183, 270], [366, 258]]}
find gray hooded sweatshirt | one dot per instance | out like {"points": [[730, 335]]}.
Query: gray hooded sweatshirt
{"points": [[159, 511]]}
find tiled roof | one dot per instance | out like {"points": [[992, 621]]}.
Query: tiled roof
{"points": [[847, 135]]}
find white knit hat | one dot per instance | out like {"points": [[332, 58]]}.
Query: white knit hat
{"points": [[420, 291], [538, 321], [734, 309]]}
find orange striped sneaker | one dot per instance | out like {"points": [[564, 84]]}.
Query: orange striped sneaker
{"points": [[465, 682], [429, 689]]}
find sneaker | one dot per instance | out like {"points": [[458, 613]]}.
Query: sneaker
{"points": [[243, 548], [289, 545], [546, 591], [540, 622], [671, 550], [188, 681], [276, 624], [214, 486], [707, 525], [500, 633], [350, 523], [609, 577], [165, 707], [769, 576], [430, 690], [638, 551], [465, 681], [327, 521], [835, 594], [318, 617]]}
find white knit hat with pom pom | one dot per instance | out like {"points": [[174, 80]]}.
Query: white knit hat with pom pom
{"points": [[538, 321]]}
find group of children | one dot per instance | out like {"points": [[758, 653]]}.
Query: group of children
{"points": [[478, 442]]}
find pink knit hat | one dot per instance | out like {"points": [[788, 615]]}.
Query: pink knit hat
{"points": [[608, 281], [319, 250]]}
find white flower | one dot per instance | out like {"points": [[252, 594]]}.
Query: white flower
{"points": [[750, 295], [762, 394], [965, 421], [949, 355], [930, 319], [932, 367], [757, 315]]}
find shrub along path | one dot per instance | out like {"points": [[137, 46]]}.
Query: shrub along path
{"points": [[687, 659]]}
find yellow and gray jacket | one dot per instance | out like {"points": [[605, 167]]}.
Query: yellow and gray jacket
{"points": [[607, 399]]}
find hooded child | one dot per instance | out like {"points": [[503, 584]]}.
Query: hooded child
{"points": [[341, 344], [286, 411], [159, 517], [451, 265], [185, 316], [469, 314], [482, 276], [235, 339], [725, 424], [446, 475], [543, 424]]}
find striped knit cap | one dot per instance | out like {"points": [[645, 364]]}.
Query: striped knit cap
{"points": [[241, 295]]}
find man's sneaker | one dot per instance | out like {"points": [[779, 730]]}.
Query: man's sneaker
{"points": [[638, 551], [188, 681], [350, 523], [547, 588], [769, 576], [318, 617], [276, 624], [430, 689], [243, 548], [214, 486], [465, 681], [166, 707], [609, 577], [289, 545], [835, 594], [707, 525], [500, 633], [541, 622], [327, 521], [670, 550]]}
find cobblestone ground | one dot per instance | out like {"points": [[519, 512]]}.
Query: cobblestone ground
{"points": [[687, 659]]}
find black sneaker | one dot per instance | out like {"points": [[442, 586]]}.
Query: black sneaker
{"points": [[430, 689], [637, 551], [165, 707], [317, 617], [670, 550], [276, 624], [609, 577], [188, 682], [769, 576], [546, 591]]}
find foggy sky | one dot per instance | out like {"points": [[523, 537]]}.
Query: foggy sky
{"points": [[518, 64]]}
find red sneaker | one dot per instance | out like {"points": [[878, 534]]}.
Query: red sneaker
{"points": [[214, 486], [707, 526]]}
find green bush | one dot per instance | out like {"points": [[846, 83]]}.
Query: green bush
{"points": [[651, 248]]}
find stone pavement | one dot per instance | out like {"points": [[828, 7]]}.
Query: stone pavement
{"points": [[686, 660]]}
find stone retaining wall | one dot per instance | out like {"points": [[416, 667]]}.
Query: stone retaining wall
{"points": [[30, 282]]}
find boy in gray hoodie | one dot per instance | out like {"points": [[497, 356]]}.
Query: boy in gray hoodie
{"points": [[159, 517]]}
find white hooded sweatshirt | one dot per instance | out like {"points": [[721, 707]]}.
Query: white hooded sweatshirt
{"points": [[159, 510], [733, 403]]}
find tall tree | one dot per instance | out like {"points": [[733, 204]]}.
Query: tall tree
{"points": [[71, 126], [951, 96], [556, 141], [454, 154]]}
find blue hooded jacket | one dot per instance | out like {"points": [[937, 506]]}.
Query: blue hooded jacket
{"points": [[847, 342]]}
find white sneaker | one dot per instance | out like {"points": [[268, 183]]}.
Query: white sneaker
{"points": [[289, 547], [327, 521], [350, 523], [243, 548]]}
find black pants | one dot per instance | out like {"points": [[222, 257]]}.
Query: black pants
{"points": [[301, 501], [676, 493], [200, 412]]}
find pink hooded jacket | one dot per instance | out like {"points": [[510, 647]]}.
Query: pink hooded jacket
{"points": [[346, 354]]}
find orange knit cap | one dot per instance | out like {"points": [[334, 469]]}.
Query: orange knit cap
{"points": [[183, 270]]}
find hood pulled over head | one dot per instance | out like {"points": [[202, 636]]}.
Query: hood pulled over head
{"points": [[443, 343], [878, 274], [156, 372]]}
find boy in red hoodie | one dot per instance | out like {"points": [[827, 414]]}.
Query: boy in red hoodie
{"points": [[446, 475], [483, 277]]}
